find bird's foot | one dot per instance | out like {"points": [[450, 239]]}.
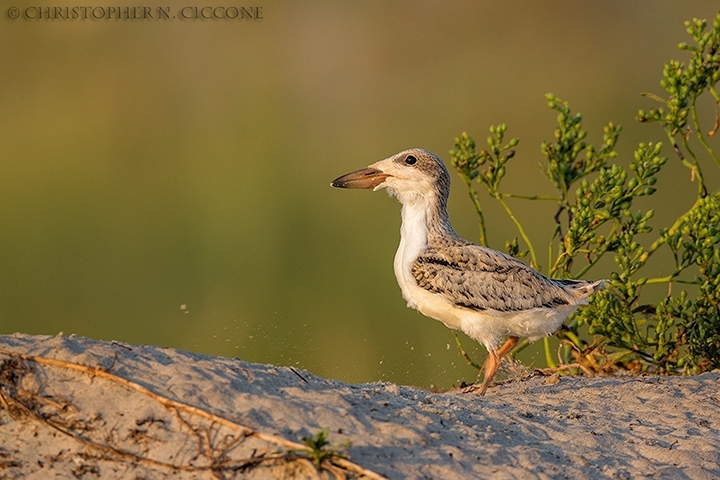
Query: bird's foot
{"points": [[478, 389]]}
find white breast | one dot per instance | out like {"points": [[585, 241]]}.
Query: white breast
{"points": [[413, 240]]}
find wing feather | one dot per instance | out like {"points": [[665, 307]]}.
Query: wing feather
{"points": [[479, 278]]}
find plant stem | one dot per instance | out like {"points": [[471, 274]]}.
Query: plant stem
{"points": [[521, 346], [667, 279], [521, 230], [548, 354], [695, 168], [700, 134], [592, 263], [670, 278], [530, 197], [464, 354], [573, 338], [556, 265], [550, 245], [478, 209]]}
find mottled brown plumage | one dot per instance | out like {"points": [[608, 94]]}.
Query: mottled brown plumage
{"points": [[483, 279]]}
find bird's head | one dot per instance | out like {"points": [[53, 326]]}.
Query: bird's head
{"points": [[407, 175]]}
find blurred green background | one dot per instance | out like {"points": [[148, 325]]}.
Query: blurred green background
{"points": [[167, 181]]}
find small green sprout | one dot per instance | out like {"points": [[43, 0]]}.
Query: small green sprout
{"points": [[319, 448]]}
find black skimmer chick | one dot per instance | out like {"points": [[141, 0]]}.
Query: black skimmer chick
{"points": [[484, 293]]}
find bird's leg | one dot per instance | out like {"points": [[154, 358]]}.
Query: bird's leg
{"points": [[507, 346], [492, 363]]}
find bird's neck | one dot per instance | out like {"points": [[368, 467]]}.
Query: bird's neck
{"points": [[424, 221]]}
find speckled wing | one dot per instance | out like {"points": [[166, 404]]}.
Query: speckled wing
{"points": [[479, 278]]}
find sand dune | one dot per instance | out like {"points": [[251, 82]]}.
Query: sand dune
{"points": [[79, 408]]}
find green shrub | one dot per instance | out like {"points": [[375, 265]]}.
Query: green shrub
{"points": [[595, 216]]}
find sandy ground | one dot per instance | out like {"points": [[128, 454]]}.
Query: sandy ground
{"points": [[78, 408]]}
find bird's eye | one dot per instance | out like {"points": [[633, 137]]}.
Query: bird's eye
{"points": [[410, 160]]}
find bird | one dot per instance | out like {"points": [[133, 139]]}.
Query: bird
{"points": [[484, 293]]}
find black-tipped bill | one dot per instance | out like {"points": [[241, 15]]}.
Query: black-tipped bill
{"points": [[365, 178]]}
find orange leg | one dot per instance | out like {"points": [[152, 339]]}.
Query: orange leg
{"points": [[493, 363], [507, 346]]}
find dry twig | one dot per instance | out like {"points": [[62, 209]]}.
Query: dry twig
{"points": [[10, 399]]}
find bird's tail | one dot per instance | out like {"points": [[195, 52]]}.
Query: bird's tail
{"points": [[581, 289]]}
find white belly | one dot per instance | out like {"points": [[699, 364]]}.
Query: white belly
{"points": [[487, 327]]}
